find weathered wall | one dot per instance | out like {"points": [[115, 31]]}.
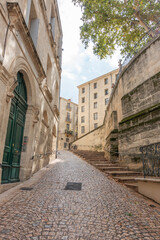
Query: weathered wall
{"points": [[18, 53], [136, 102], [91, 141]]}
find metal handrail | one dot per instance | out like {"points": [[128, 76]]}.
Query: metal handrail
{"points": [[151, 159]]}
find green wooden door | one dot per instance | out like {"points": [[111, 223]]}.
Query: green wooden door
{"points": [[14, 136]]}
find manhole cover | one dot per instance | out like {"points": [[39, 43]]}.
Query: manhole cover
{"points": [[73, 186], [26, 188]]}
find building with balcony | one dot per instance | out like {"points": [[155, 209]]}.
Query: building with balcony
{"points": [[68, 124], [93, 100], [30, 77]]}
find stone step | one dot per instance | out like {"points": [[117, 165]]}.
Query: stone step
{"points": [[133, 186], [129, 179], [110, 169], [99, 165], [124, 173]]}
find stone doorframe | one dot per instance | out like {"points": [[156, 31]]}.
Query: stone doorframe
{"points": [[21, 65]]}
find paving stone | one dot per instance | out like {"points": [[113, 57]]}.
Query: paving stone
{"points": [[102, 210]]}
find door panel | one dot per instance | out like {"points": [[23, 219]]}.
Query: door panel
{"points": [[14, 136]]}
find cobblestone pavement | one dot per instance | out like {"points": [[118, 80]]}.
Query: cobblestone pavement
{"points": [[102, 210]]}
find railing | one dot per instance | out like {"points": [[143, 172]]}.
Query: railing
{"points": [[151, 159], [68, 132], [68, 119]]}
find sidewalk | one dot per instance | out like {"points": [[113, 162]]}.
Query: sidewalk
{"points": [[102, 210]]}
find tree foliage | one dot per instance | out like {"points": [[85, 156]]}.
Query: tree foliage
{"points": [[111, 23]]}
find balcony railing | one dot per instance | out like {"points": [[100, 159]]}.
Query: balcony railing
{"points": [[151, 159], [68, 120], [68, 132]]}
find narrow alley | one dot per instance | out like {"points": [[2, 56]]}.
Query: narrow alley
{"points": [[101, 210]]}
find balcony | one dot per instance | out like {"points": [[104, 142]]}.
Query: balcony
{"points": [[68, 120], [68, 108], [68, 132]]}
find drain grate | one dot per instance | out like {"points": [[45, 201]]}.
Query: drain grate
{"points": [[26, 188], [73, 186]]}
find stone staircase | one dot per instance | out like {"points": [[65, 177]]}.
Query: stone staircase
{"points": [[119, 173]]}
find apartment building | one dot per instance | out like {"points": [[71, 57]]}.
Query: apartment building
{"points": [[30, 77], [93, 99], [68, 124]]}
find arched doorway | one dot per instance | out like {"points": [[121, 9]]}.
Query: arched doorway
{"points": [[14, 136]]}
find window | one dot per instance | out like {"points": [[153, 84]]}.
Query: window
{"points": [[83, 90], [68, 115], [33, 22], [95, 85], [82, 119], [106, 81], [67, 126], [83, 100], [95, 95], [82, 129], [67, 139], [106, 101], [65, 145], [95, 125], [95, 116], [95, 104], [68, 105], [82, 109], [106, 91]]}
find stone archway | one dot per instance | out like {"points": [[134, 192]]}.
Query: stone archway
{"points": [[21, 65], [14, 137]]}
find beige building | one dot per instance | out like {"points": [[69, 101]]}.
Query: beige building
{"points": [[68, 123], [93, 100], [30, 75]]}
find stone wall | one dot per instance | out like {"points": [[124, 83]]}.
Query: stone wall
{"points": [[136, 101], [90, 141]]}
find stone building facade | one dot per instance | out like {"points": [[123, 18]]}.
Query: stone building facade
{"points": [[30, 77], [68, 123], [93, 100]]}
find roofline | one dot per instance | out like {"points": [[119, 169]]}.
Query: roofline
{"points": [[69, 101], [97, 78]]}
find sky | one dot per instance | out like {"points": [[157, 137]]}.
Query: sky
{"points": [[79, 65]]}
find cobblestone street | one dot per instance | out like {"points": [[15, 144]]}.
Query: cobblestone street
{"points": [[102, 210]]}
